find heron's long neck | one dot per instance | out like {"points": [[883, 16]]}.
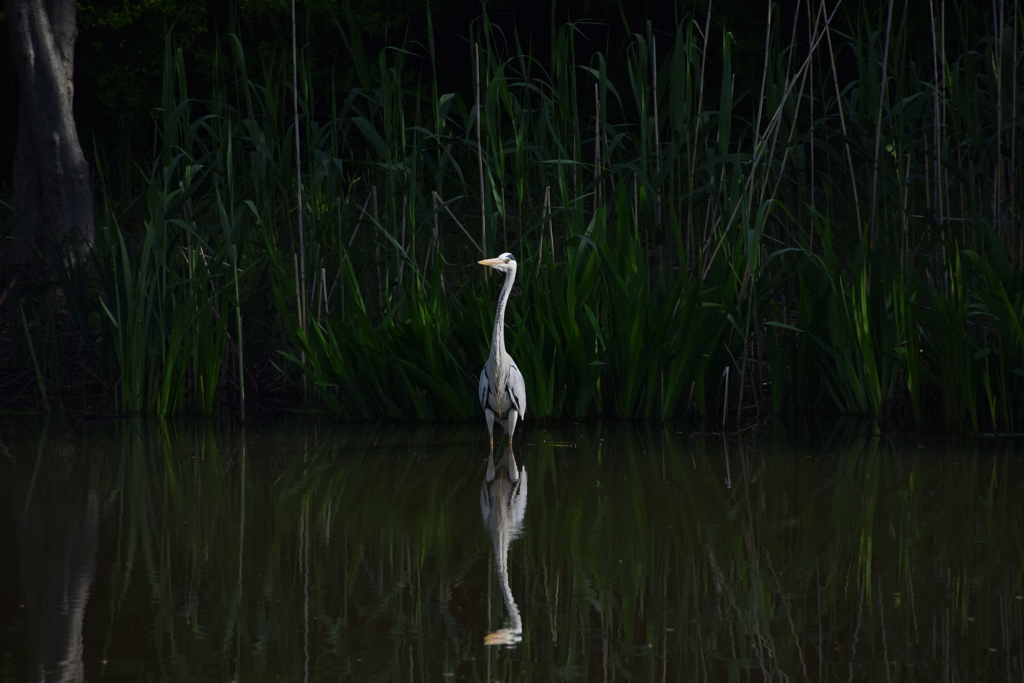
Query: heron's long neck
{"points": [[498, 336], [501, 543], [505, 528]]}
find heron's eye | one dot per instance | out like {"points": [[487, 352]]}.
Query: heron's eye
{"points": [[506, 260]]}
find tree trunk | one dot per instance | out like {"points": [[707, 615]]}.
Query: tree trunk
{"points": [[52, 195]]}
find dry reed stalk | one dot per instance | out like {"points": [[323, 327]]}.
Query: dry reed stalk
{"points": [[480, 162], [433, 240], [544, 219], [943, 111], [301, 273], [441, 201], [764, 77], [700, 94], [906, 213], [551, 230], [401, 264], [575, 177], [380, 279], [937, 205], [312, 289], [362, 213], [325, 297], [1013, 136], [963, 199], [380, 276], [320, 292], [636, 202], [298, 306], [298, 294], [878, 127], [597, 146], [661, 373], [759, 149], [657, 134], [842, 123], [725, 400], [810, 103], [997, 186], [696, 127], [759, 153], [927, 174], [437, 238], [806, 73]]}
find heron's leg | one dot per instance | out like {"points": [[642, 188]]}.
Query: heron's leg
{"points": [[489, 416], [489, 477], [513, 417], [513, 469]]}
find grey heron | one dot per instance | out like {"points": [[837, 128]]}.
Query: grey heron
{"points": [[502, 391]]}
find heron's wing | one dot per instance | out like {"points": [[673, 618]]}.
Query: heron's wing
{"points": [[517, 389], [484, 387]]}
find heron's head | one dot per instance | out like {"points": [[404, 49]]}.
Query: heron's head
{"points": [[506, 263]]}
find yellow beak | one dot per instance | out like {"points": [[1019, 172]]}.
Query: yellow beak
{"points": [[490, 262]]}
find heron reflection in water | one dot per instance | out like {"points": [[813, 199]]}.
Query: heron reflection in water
{"points": [[503, 506]]}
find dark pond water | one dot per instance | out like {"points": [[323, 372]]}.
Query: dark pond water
{"points": [[304, 551]]}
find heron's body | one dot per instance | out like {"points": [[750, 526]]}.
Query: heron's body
{"points": [[502, 390]]}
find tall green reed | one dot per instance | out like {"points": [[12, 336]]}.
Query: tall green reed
{"points": [[802, 236]]}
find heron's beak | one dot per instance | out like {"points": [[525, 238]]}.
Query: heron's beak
{"points": [[505, 636], [490, 262]]}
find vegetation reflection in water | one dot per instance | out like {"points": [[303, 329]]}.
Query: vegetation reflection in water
{"points": [[321, 553]]}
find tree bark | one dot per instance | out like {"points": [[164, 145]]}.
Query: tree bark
{"points": [[51, 194]]}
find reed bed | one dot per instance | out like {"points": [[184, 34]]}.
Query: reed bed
{"points": [[830, 242]]}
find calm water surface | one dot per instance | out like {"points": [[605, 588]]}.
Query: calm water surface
{"points": [[310, 551]]}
